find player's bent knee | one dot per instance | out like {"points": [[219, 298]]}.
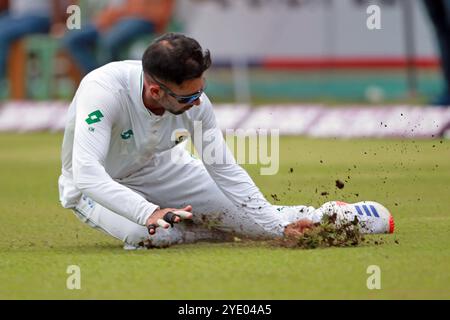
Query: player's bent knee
{"points": [[135, 235], [138, 236]]}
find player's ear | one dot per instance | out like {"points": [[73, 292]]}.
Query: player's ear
{"points": [[152, 89], [155, 91]]}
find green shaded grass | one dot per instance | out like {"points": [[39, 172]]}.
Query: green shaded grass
{"points": [[39, 239]]}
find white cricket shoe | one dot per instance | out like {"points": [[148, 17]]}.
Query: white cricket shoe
{"points": [[372, 216]]}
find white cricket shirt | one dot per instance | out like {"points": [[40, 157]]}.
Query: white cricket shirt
{"points": [[110, 135]]}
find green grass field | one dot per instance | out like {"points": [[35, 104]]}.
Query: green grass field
{"points": [[39, 239]]}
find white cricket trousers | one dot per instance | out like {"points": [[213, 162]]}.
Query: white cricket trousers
{"points": [[176, 186]]}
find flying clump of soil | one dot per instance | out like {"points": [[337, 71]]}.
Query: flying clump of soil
{"points": [[327, 233], [340, 184]]}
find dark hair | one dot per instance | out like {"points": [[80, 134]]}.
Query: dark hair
{"points": [[175, 58]]}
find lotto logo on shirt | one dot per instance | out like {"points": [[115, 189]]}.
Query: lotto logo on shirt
{"points": [[94, 117], [127, 134]]}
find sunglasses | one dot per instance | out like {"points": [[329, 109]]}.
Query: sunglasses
{"points": [[180, 99]]}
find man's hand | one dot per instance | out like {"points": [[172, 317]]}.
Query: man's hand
{"points": [[159, 217], [297, 228]]}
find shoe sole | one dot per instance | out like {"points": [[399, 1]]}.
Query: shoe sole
{"points": [[391, 224]]}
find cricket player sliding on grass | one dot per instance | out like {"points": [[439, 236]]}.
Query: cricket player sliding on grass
{"points": [[124, 168]]}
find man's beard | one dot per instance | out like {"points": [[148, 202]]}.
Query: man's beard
{"points": [[181, 111], [177, 112]]}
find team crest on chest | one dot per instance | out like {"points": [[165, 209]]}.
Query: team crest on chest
{"points": [[180, 136]]}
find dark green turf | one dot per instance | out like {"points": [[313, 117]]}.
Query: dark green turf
{"points": [[39, 239]]}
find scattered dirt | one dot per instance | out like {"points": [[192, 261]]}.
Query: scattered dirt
{"points": [[326, 234], [275, 197], [339, 184]]}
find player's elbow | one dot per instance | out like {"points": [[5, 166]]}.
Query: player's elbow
{"points": [[81, 184], [85, 177]]}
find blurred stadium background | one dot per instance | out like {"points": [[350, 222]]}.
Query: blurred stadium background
{"points": [[265, 52], [276, 51]]}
